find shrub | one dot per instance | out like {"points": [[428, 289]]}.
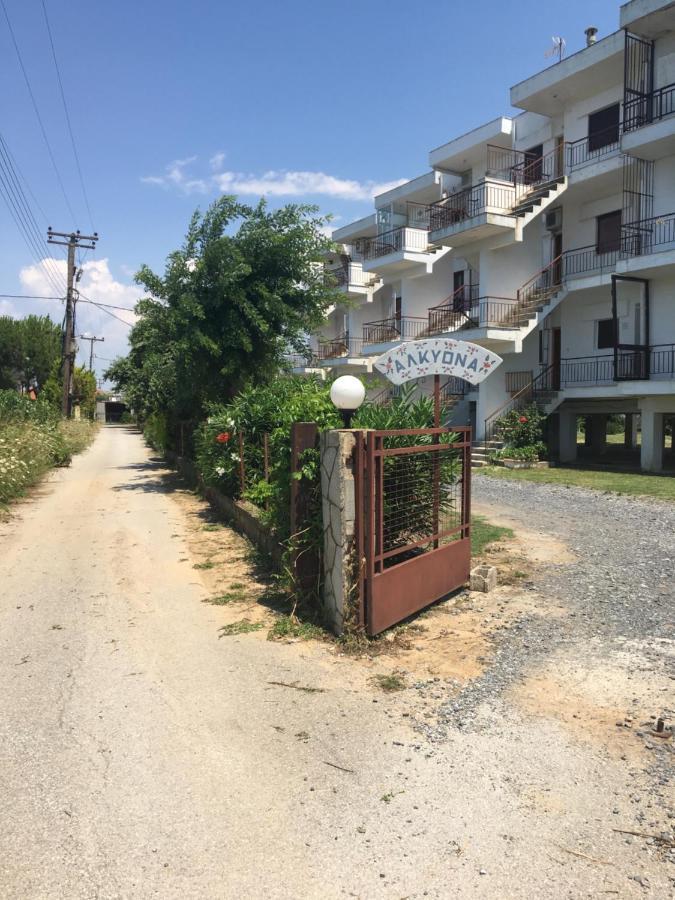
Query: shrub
{"points": [[523, 428], [531, 453], [156, 431]]}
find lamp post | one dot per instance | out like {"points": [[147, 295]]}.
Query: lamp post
{"points": [[347, 394]]}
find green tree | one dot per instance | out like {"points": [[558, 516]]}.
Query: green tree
{"points": [[246, 285], [28, 350]]}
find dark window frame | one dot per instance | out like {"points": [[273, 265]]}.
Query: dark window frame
{"points": [[604, 244], [603, 128], [606, 334]]}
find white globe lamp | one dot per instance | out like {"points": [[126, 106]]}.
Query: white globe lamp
{"points": [[347, 394]]}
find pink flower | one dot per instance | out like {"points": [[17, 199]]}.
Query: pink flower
{"points": [[223, 437], [523, 420]]}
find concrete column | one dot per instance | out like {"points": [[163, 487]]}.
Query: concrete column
{"points": [[338, 509], [598, 433], [651, 456], [630, 431], [588, 430], [567, 441]]}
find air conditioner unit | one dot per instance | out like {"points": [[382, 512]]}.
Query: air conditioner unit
{"points": [[553, 219]]}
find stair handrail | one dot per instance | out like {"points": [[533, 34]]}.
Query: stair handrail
{"points": [[516, 402], [524, 291]]}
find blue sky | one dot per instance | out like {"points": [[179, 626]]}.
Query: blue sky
{"points": [[309, 101]]}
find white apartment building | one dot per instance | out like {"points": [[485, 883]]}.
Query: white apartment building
{"points": [[549, 238]]}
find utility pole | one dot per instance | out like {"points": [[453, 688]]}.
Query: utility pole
{"points": [[91, 338], [72, 241]]}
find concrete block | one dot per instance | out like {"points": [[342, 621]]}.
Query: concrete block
{"points": [[483, 578]]}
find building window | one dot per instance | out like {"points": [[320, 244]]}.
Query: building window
{"points": [[603, 127], [608, 232], [605, 333]]}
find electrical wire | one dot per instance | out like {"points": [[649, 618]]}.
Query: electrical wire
{"points": [[67, 114], [37, 111], [24, 217], [82, 299]]}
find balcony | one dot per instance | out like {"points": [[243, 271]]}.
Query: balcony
{"points": [[596, 154], [631, 363], [397, 249], [351, 280], [646, 134], [453, 313], [473, 214], [395, 328], [648, 236]]}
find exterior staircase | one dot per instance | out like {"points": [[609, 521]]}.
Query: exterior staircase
{"points": [[539, 198], [481, 452]]}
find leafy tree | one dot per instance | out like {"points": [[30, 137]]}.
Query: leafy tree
{"points": [[28, 350], [84, 389], [246, 285]]}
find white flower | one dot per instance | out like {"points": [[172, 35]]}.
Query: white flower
{"points": [[235, 456], [220, 470]]}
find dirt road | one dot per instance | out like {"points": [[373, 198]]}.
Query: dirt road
{"points": [[142, 756]]}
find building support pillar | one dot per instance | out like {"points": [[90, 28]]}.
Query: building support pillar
{"points": [[651, 455], [567, 440], [630, 431], [598, 423]]}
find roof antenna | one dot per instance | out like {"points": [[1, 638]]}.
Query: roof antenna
{"points": [[558, 47]]}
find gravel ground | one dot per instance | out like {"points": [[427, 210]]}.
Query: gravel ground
{"points": [[620, 589]]}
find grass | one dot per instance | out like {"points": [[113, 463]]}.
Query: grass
{"points": [[243, 626], [661, 487], [236, 595], [291, 627], [209, 564], [390, 683], [484, 532]]}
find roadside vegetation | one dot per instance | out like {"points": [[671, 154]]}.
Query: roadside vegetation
{"points": [[34, 439], [661, 487]]}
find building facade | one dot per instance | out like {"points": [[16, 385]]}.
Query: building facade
{"points": [[549, 238]]}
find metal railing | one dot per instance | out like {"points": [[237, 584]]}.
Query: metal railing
{"points": [[639, 238], [453, 309], [471, 202], [594, 146], [536, 171], [336, 277], [589, 259], [649, 108], [300, 361], [341, 346], [414, 240], [394, 328], [542, 285], [541, 387], [587, 370], [662, 360]]}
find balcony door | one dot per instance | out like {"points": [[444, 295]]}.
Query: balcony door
{"points": [[603, 127], [533, 164], [608, 238], [632, 362]]}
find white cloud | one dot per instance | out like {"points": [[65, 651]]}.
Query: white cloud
{"points": [[273, 183], [216, 161], [97, 283]]}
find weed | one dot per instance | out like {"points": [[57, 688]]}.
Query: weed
{"points": [[236, 595], [243, 626], [209, 564], [388, 797], [289, 626], [212, 526], [390, 683]]}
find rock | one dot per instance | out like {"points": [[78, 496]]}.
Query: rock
{"points": [[483, 578]]}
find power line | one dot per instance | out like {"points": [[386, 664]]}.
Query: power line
{"points": [[24, 219], [82, 299], [65, 109], [26, 214], [37, 111]]}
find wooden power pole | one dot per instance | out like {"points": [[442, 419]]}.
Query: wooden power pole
{"points": [[91, 338], [72, 241]]}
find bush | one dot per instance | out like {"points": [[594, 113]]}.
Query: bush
{"points": [[33, 439], [531, 453], [156, 431], [522, 429]]}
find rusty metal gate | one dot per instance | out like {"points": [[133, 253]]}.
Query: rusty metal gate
{"points": [[413, 497]]}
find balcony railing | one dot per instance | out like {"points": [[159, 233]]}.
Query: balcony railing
{"points": [[593, 147], [414, 240], [639, 238], [650, 108], [471, 202], [341, 346], [587, 370], [393, 329], [348, 274], [590, 259], [453, 311], [300, 361]]}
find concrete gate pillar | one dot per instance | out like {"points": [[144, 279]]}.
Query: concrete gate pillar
{"points": [[651, 455], [339, 520], [567, 442]]}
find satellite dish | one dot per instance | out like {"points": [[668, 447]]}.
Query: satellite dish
{"points": [[557, 48]]}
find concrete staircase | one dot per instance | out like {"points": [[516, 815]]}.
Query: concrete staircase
{"points": [[541, 196], [481, 451]]}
